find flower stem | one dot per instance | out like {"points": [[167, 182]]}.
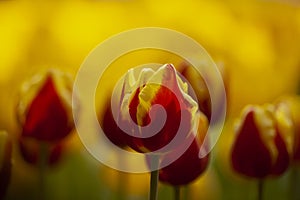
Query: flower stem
{"points": [[154, 177], [42, 164], [177, 192], [294, 191], [186, 192], [260, 189], [121, 193]]}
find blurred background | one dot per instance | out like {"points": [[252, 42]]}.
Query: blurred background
{"points": [[257, 42]]}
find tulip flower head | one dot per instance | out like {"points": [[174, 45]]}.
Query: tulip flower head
{"points": [[44, 109], [152, 127], [263, 142]]}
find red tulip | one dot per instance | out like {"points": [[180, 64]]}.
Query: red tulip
{"points": [[263, 142], [5, 162], [188, 166], [165, 88], [44, 109]]}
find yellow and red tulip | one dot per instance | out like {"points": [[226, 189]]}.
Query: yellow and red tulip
{"points": [[263, 142], [165, 88]]}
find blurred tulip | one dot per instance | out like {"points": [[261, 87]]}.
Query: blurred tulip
{"points": [[188, 166], [263, 142], [44, 109], [199, 86], [5, 162], [165, 88], [45, 114]]}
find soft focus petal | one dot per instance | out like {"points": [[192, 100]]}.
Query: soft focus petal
{"points": [[111, 128], [284, 138], [199, 86], [188, 166], [293, 102]]}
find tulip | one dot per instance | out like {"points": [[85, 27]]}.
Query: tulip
{"points": [[263, 142], [44, 109], [45, 115], [139, 115], [163, 87], [5, 162]]}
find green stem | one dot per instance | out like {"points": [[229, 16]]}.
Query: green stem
{"points": [[186, 192], [42, 164], [122, 180], [294, 191], [177, 192], [260, 189], [154, 178]]}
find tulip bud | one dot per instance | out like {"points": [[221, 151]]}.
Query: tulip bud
{"points": [[44, 109], [188, 166], [162, 87], [5, 162], [263, 140]]}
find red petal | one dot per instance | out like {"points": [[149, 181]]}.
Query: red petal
{"points": [[283, 158], [111, 129], [186, 168]]}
